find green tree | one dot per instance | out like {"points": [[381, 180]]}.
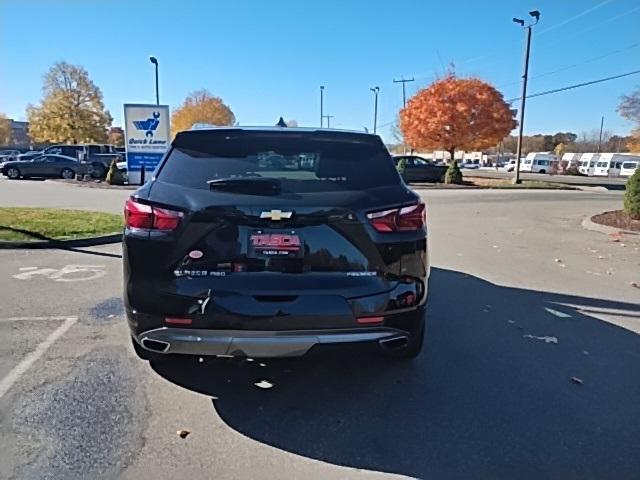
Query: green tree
{"points": [[72, 110], [5, 130], [632, 196], [453, 175]]}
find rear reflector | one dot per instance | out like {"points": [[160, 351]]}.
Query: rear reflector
{"points": [[146, 217], [367, 320], [178, 321], [405, 219]]}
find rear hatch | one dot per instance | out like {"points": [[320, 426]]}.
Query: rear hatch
{"points": [[276, 216]]}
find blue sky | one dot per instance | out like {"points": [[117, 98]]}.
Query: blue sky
{"points": [[268, 58]]}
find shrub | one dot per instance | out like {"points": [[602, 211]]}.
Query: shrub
{"points": [[114, 176], [632, 196], [453, 175]]}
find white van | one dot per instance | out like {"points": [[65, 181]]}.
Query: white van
{"points": [[538, 162], [629, 167], [587, 163], [571, 160], [609, 164]]}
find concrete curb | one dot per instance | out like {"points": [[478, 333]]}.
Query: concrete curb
{"points": [[588, 224], [62, 244], [587, 188], [93, 184]]}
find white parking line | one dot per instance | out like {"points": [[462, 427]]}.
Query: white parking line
{"points": [[14, 375], [557, 313], [31, 319]]}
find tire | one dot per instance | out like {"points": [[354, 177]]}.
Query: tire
{"points": [[414, 345], [98, 171], [13, 173], [67, 174], [542, 171]]}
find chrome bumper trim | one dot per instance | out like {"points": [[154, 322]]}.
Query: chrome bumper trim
{"points": [[257, 343]]}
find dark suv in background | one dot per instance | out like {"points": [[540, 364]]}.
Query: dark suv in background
{"points": [[269, 241]]}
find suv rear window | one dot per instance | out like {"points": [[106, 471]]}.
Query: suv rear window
{"points": [[303, 162]]}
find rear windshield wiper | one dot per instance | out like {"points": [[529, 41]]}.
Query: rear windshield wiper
{"points": [[247, 185]]}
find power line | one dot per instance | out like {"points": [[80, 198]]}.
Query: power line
{"points": [[571, 19], [568, 67], [570, 87], [555, 90]]}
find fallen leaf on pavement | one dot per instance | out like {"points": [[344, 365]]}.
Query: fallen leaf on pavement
{"points": [[183, 433], [557, 260], [545, 339], [635, 285], [577, 380], [264, 384], [615, 237]]}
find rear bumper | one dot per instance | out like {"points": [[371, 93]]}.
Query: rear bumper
{"points": [[259, 344]]}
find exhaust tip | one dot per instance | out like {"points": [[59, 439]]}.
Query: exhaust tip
{"points": [[394, 343], [155, 345]]}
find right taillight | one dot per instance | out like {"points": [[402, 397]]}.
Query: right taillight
{"points": [[404, 219], [145, 217]]}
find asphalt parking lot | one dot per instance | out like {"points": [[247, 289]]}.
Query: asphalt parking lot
{"points": [[531, 367]]}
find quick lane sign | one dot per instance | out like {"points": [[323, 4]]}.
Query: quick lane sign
{"points": [[147, 135]]}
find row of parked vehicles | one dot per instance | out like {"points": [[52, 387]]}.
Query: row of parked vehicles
{"points": [[589, 164], [61, 161]]}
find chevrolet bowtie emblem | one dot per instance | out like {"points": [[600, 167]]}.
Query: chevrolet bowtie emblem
{"points": [[276, 215]]}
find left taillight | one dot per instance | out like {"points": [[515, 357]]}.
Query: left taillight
{"points": [[146, 217], [404, 219]]}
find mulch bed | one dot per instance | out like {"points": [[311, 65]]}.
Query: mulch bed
{"points": [[617, 219]]}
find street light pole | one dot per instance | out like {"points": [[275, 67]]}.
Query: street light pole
{"points": [[329, 117], [321, 105], [154, 60], [376, 91], [525, 76]]}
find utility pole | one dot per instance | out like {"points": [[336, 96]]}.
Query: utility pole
{"points": [[328, 117], [376, 91], [600, 139], [404, 102], [403, 81], [321, 105], [525, 76]]}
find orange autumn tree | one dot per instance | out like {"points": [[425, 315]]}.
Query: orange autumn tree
{"points": [[456, 114]]}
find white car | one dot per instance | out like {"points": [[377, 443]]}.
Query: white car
{"points": [[510, 166]]}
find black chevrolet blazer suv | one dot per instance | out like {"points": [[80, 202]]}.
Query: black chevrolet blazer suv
{"points": [[270, 241]]}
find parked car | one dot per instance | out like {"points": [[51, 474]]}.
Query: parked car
{"points": [[53, 166], [29, 155], [224, 255], [99, 156], [418, 169], [469, 165], [510, 166], [7, 155]]}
